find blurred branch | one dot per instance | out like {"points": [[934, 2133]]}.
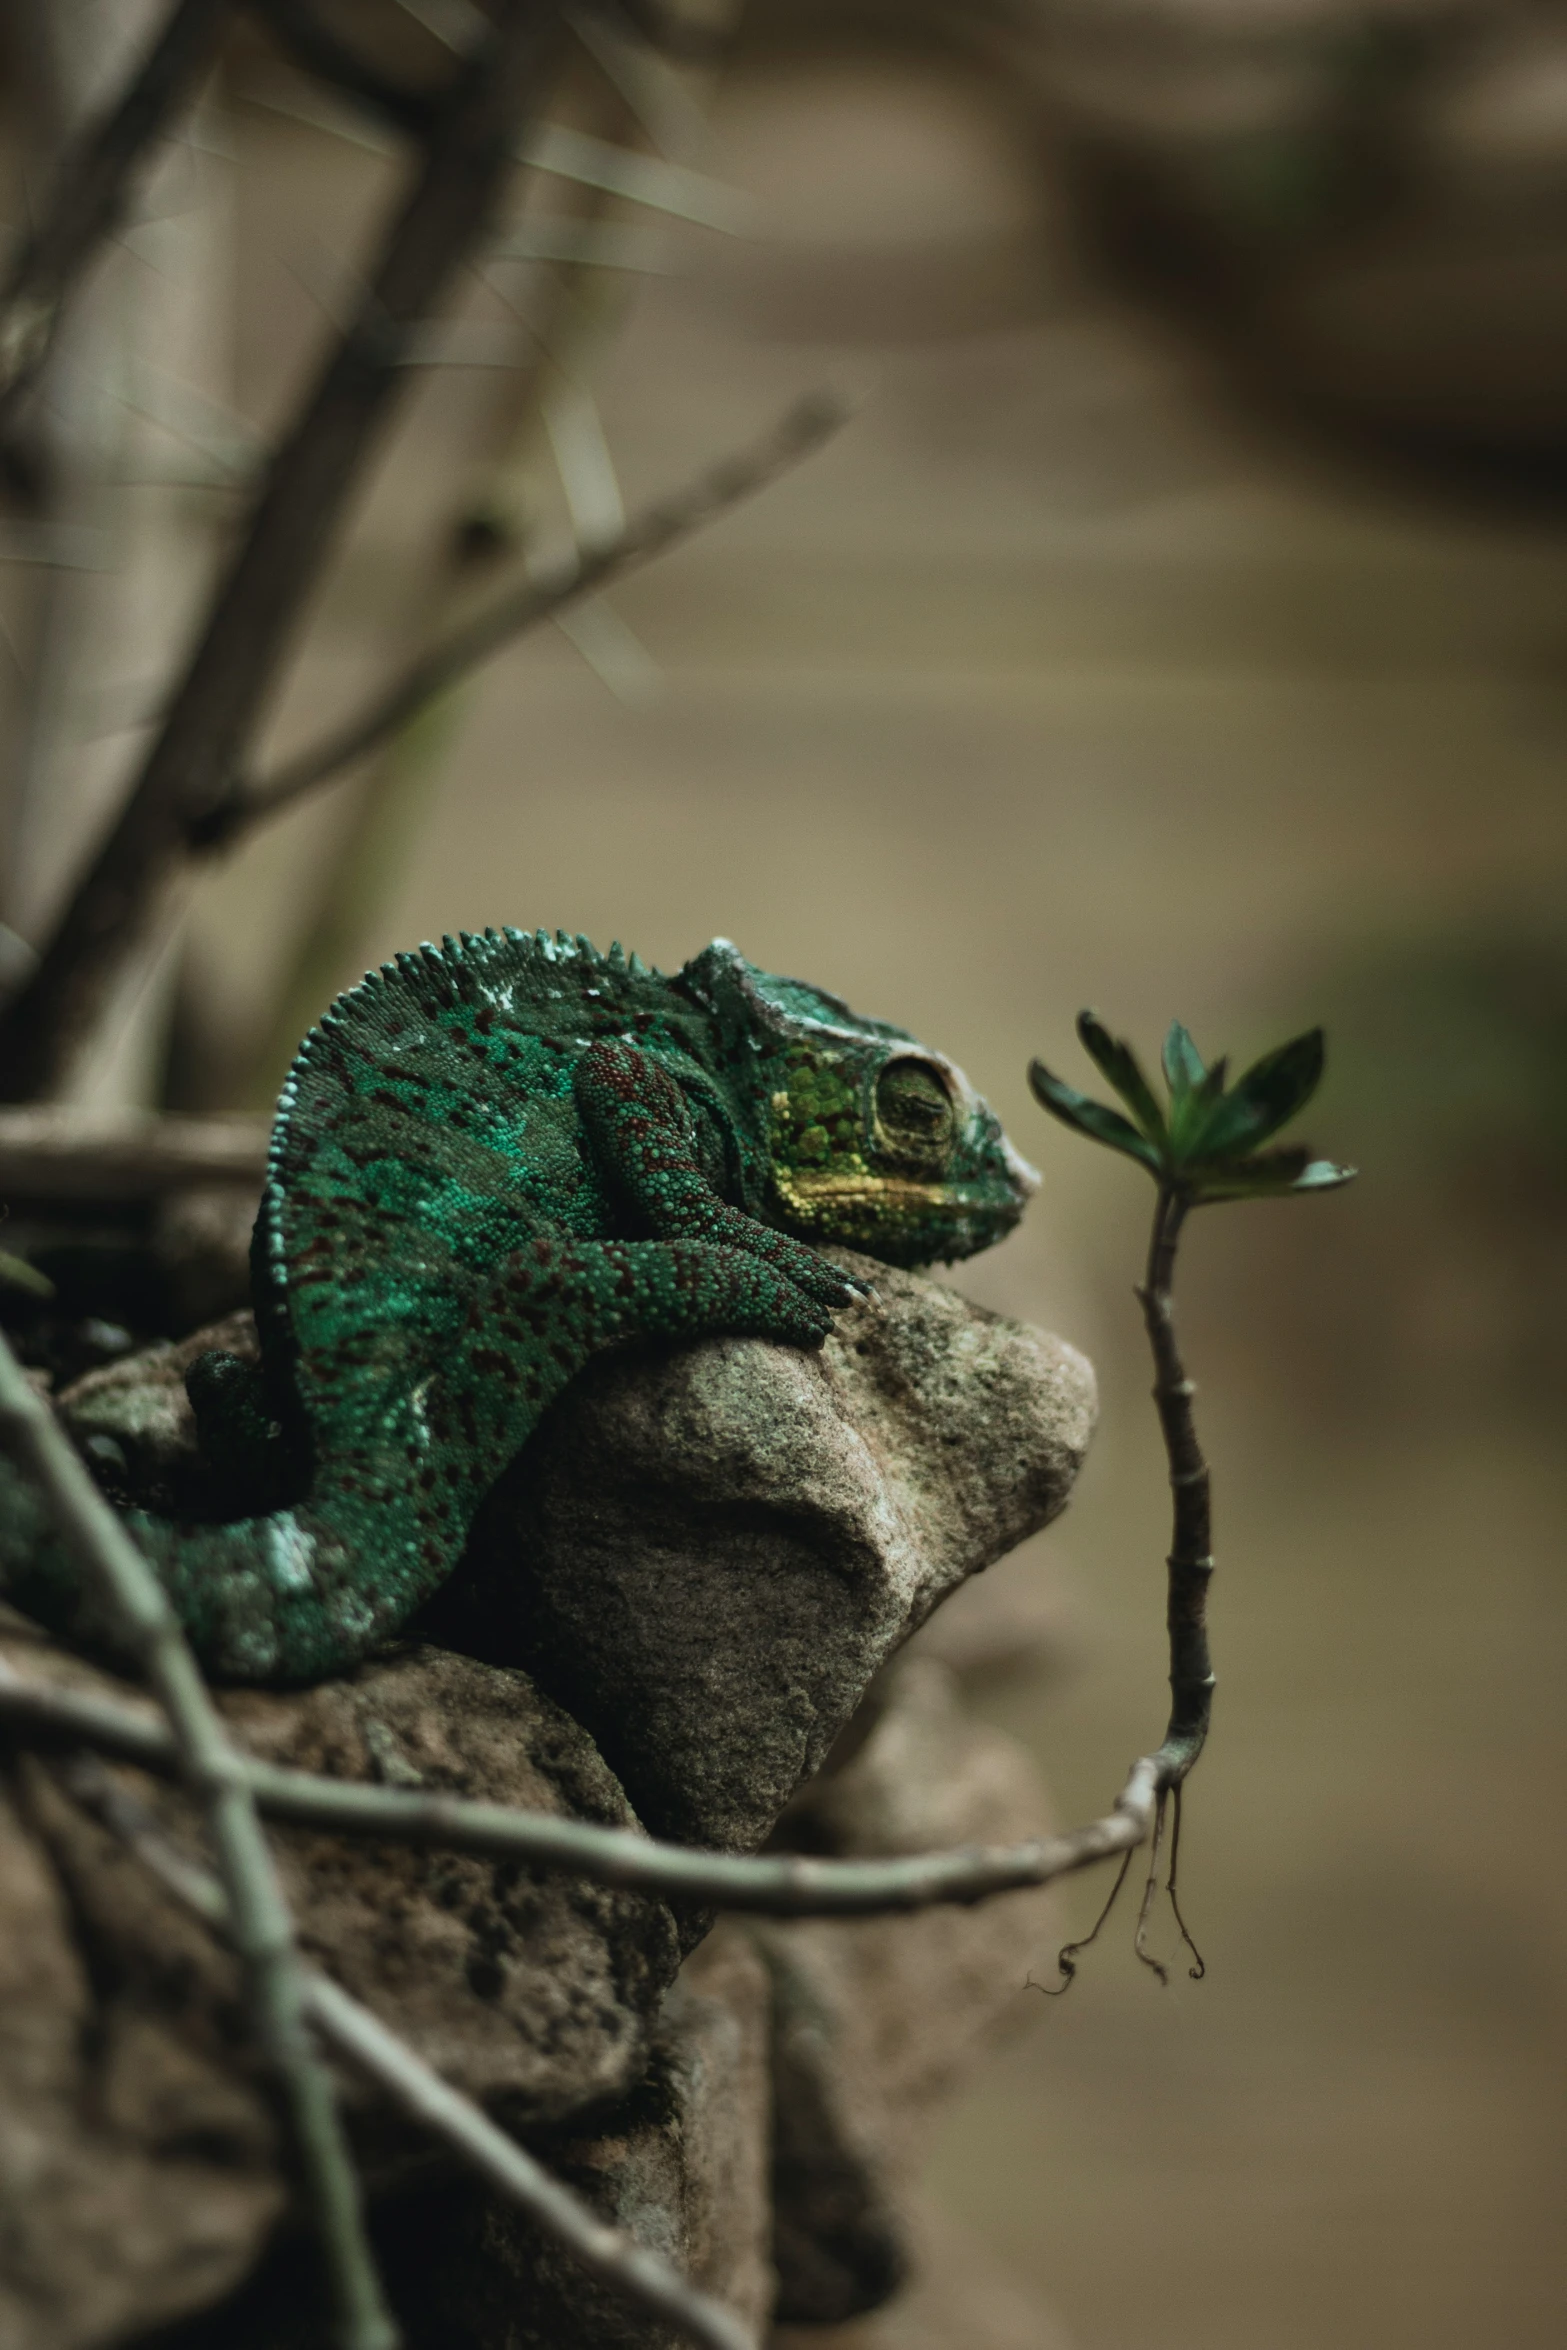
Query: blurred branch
{"points": [[301, 35], [786, 1885], [134, 1601], [69, 1153], [213, 710], [651, 532], [92, 190], [628, 2268]]}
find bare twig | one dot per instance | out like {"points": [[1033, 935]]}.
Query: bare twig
{"points": [[92, 190], [301, 34], [61, 1152], [213, 710], [785, 1885], [616, 2259], [651, 532], [111, 1564]]}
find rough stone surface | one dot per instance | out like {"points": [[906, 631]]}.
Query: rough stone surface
{"points": [[681, 2166], [536, 1994], [703, 1559], [959, 2298], [707, 1551], [139, 1408], [136, 2174], [876, 2020]]}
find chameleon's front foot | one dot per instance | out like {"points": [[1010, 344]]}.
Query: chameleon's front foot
{"points": [[791, 1260]]}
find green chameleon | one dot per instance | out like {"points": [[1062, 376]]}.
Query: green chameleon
{"points": [[493, 1159]]}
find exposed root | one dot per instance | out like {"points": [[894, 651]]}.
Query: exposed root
{"points": [[1066, 1956]]}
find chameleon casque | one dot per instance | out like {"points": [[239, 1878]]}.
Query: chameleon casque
{"points": [[491, 1160]]}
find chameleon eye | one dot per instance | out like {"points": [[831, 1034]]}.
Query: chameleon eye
{"points": [[914, 1112]]}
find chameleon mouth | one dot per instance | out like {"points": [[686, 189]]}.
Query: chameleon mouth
{"points": [[820, 1191]]}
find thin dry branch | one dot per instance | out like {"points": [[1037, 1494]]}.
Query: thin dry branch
{"points": [[785, 1885], [303, 36], [92, 190], [616, 2259], [57, 1151], [466, 164], [652, 532], [199, 1746]]}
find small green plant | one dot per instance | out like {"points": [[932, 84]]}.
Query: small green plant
{"points": [[1203, 1146]]}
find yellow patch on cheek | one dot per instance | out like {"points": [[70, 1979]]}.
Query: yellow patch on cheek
{"points": [[820, 1200]]}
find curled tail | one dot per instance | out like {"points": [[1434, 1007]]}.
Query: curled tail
{"points": [[290, 1597], [309, 1590]]}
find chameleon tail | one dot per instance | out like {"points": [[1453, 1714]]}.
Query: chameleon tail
{"points": [[308, 1591], [291, 1597]]}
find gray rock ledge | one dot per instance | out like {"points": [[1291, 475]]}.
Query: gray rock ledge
{"points": [[707, 1551]]}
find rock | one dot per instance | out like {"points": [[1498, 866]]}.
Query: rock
{"points": [[700, 1563], [133, 1421], [682, 2166], [137, 2178], [959, 2298], [537, 1994], [534, 1992], [877, 2019], [707, 1551]]}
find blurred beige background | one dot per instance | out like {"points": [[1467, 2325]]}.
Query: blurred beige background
{"points": [[1080, 669]]}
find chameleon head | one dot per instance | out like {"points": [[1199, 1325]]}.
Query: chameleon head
{"points": [[869, 1139]]}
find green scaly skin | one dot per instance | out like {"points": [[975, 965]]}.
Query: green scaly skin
{"points": [[492, 1160]]}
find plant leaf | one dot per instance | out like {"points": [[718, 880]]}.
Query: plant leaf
{"points": [[1095, 1119], [1265, 1098], [1263, 1176], [1190, 1117], [17, 1273], [1324, 1175], [1271, 1174], [1117, 1061], [1183, 1063]]}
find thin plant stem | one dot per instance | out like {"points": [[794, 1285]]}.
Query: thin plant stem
{"points": [[1190, 1562], [781, 1885], [1189, 1568], [112, 1566]]}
